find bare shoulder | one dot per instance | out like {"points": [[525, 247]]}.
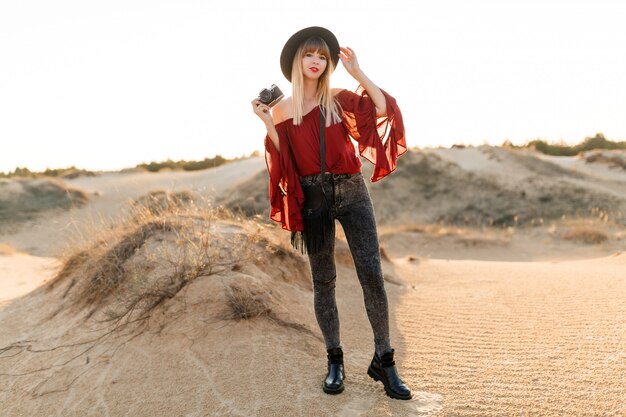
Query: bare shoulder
{"points": [[282, 111], [336, 91], [277, 112]]}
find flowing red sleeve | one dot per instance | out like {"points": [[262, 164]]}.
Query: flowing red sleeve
{"points": [[381, 139], [286, 197]]}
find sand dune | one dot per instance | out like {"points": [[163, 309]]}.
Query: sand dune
{"points": [[22, 200], [147, 301], [485, 186]]}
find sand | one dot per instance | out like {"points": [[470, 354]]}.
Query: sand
{"points": [[21, 274], [485, 321]]}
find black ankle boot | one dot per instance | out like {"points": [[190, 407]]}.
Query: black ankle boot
{"points": [[333, 384], [383, 369]]}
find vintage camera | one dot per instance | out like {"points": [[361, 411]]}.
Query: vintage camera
{"points": [[271, 96]]}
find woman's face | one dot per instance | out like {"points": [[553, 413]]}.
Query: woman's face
{"points": [[314, 64]]}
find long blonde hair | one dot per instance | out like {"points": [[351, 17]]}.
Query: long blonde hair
{"points": [[324, 94]]}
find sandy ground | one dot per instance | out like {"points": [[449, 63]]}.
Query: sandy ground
{"points": [[510, 338], [485, 322], [21, 274]]}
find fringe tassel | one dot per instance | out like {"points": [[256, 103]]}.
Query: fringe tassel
{"points": [[297, 241], [315, 235]]}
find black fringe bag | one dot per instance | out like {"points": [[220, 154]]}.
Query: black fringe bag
{"points": [[315, 213]]}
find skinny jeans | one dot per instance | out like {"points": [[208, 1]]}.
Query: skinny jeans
{"points": [[350, 203]]}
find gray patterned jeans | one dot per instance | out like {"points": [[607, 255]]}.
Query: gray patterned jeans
{"points": [[350, 204]]}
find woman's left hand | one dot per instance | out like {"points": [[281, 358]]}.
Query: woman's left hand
{"points": [[349, 61]]}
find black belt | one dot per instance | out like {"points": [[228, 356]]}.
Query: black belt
{"points": [[329, 176]]}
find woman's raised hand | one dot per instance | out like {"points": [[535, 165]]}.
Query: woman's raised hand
{"points": [[349, 61], [262, 110], [348, 58]]}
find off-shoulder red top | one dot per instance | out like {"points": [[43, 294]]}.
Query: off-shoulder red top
{"points": [[380, 140]]}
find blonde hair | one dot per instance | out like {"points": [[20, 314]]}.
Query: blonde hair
{"points": [[324, 94]]}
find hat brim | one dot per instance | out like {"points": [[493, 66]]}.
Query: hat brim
{"points": [[290, 48]]}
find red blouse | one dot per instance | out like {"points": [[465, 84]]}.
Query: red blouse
{"points": [[359, 122]]}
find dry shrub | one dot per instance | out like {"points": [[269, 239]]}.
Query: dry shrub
{"points": [[160, 201], [245, 302], [585, 234], [74, 173], [149, 257], [616, 161], [125, 272], [108, 271]]}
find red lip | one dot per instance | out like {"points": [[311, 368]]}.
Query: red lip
{"points": [[314, 69]]}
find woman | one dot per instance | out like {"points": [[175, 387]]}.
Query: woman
{"points": [[293, 160]]}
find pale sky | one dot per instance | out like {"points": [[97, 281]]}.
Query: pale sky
{"points": [[110, 84]]}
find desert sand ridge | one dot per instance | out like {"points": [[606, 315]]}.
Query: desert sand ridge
{"points": [[524, 317], [476, 187], [111, 193]]}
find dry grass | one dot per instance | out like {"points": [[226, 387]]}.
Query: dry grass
{"points": [[466, 235], [157, 202], [163, 245], [588, 231], [246, 303], [615, 161], [586, 235], [149, 257]]}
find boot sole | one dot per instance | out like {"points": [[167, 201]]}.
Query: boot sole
{"points": [[333, 391], [376, 377]]}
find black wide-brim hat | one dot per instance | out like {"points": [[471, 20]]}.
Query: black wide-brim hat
{"points": [[290, 48]]}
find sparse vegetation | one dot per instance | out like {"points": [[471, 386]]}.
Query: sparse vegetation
{"points": [[594, 229], [158, 202], [166, 243], [590, 231], [464, 198], [148, 258], [73, 172], [612, 161], [66, 173], [184, 165], [246, 303], [586, 235], [589, 143]]}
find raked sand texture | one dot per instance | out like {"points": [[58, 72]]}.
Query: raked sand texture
{"points": [[509, 338]]}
